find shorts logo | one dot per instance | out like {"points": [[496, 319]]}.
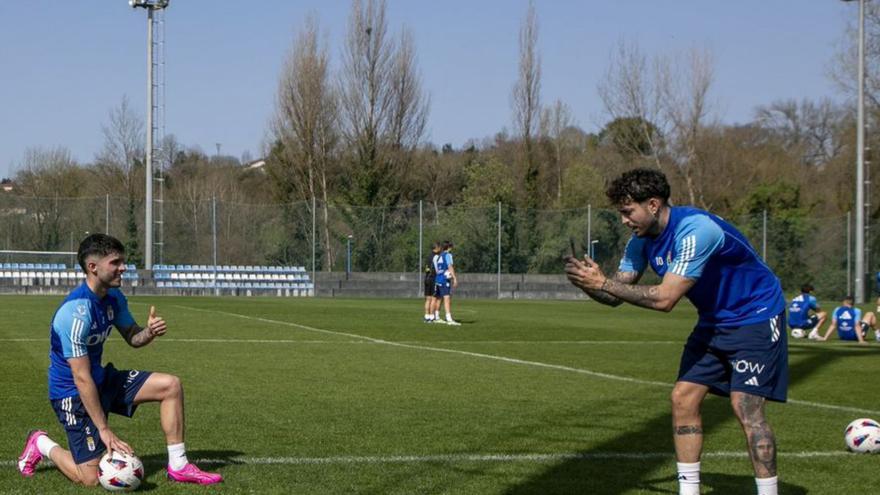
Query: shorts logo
{"points": [[753, 381], [131, 376], [90, 443], [743, 366]]}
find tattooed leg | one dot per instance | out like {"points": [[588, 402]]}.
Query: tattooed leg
{"points": [[749, 410], [687, 424]]}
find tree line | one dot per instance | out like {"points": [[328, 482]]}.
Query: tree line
{"points": [[347, 151]]}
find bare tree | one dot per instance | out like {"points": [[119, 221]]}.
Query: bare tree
{"points": [[526, 98], [306, 125], [555, 121], [684, 85], [409, 105], [812, 129], [367, 102], [123, 149], [629, 91]]}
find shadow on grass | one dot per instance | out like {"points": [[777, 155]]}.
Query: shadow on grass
{"points": [[616, 476]]}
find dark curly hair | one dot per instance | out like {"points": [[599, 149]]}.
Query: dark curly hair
{"points": [[639, 184], [100, 245]]}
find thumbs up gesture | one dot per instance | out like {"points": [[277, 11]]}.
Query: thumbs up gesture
{"points": [[155, 324]]}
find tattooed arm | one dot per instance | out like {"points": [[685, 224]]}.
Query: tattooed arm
{"points": [[606, 298], [588, 276]]}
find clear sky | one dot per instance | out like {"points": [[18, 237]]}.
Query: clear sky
{"points": [[64, 65]]}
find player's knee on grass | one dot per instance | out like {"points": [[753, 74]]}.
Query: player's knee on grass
{"points": [[87, 474]]}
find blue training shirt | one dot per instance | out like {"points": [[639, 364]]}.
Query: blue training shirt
{"points": [[79, 328], [847, 318], [442, 262], [799, 310], [733, 285]]}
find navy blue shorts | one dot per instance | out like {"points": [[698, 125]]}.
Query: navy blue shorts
{"points": [[863, 327], [811, 323], [441, 290], [117, 396], [429, 288], [751, 359]]}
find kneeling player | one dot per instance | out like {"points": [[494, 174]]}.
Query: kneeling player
{"points": [[804, 315], [83, 392]]}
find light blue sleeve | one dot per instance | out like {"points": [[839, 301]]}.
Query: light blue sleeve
{"points": [[814, 304], [634, 259], [448, 259], [72, 323], [834, 315], [696, 239], [858, 315], [123, 319]]}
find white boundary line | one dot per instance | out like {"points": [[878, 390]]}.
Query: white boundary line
{"points": [[476, 457], [413, 342], [538, 364]]}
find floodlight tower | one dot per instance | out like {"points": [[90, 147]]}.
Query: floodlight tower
{"points": [[151, 6], [860, 270]]}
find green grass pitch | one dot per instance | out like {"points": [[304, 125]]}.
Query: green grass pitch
{"points": [[359, 396]]}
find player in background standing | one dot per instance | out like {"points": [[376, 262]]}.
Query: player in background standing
{"points": [[850, 323], [738, 347], [430, 276], [82, 391], [446, 280], [804, 315]]}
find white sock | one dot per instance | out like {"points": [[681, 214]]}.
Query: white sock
{"points": [[177, 456], [436, 315], [767, 486], [448, 316], [428, 316], [45, 445], [688, 478]]}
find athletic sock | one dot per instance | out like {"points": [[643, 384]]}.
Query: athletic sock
{"points": [[449, 317], [688, 478], [177, 456], [436, 315], [429, 316], [45, 445], [767, 486]]}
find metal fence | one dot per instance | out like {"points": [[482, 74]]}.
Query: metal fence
{"points": [[333, 237]]}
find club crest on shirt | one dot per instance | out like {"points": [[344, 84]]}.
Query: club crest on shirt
{"points": [[110, 312], [90, 442], [668, 257]]}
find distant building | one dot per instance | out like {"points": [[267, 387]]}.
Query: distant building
{"points": [[256, 165], [7, 185]]}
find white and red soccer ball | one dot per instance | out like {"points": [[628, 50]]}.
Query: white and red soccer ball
{"points": [[863, 436], [118, 472]]}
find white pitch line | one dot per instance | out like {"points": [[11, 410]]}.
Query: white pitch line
{"points": [[476, 457], [414, 342], [538, 364]]}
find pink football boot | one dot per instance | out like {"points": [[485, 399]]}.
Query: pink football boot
{"points": [[30, 456], [191, 474]]}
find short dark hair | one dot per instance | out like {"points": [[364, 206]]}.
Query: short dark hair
{"points": [[638, 184], [98, 244], [849, 298], [808, 287], [447, 245], [435, 246]]}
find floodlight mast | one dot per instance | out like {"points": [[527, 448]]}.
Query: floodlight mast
{"points": [[151, 6]]}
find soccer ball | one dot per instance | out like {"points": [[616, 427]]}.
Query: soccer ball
{"points": [[118, 472], [797, 333], [863, 436]]}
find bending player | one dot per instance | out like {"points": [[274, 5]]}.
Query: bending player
{"points": [[83, 392], [738, 347]]}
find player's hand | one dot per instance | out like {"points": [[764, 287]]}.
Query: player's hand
{"points": [[455, 282], [585, 273], [155, 324], [114, 443]]}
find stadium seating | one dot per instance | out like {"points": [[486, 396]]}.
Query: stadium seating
{"points": [[52, 274], [239, 279]]}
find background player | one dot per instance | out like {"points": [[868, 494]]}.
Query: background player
{"points": [[446, 280], [82, 392], [850, 323], [430, 284], [738, 347], [804, 315]]}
